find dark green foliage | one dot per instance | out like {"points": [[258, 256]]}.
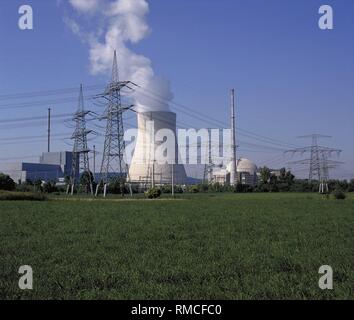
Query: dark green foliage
{"points": [[86, 182], [217, 187], [243, 188], [166, 189], [285, 180], [270, 182], [193, 189], [264, 175], [38, 186], [351, 186], [339, 194], [49, 187], [118, 186], [21, 196], [153, 193], [304, 186], [204, 187], [25, 187], [6, 183], [178, 189]]}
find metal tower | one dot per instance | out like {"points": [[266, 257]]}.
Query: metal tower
{"points": [[209, 165], [318, 163], [80, 160], [113, 164], [208, 173]]}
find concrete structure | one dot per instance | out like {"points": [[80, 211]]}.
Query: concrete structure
{"points": [[63, 159], [52, 166], [246, 173], [153, 163], [20, 172], [221, 176]]}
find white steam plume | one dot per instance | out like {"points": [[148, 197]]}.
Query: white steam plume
{"points": [[124, 22]]}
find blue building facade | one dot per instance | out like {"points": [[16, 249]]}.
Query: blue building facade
{"points": [[52, 166]]}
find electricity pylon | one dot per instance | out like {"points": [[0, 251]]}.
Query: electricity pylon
{"points": [[209, 165], [80, 155], [319, 164], [113, 164]]}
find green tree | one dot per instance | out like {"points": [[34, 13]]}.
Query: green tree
{"points": [[285, 180], [118, 186], [351, 186], [86, 181], [273, 183], [153, 193], [38, 185], [6, 183], [50, 187], [265, 175]]}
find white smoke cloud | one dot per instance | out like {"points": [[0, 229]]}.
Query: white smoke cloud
{"points": [[84, 5], [124, 22]]}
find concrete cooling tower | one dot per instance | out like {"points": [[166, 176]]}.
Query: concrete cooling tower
{"points": [[156, 150]]}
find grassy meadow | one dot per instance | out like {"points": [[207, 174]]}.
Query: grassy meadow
{"points": [[202, 246]]}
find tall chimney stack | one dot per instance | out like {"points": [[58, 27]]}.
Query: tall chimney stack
{"points": [[49, 120], [233, 173]]}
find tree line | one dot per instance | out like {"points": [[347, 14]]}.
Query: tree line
{"points": [[268, 181]]}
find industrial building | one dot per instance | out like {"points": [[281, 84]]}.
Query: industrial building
{"points": [[52, 166], [246, 173], [146, 166]]}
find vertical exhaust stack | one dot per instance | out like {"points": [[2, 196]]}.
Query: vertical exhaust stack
{"points": [[147, 165], [233, 173], [49, 129]]}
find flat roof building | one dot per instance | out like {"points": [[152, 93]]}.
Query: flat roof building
{"points": [[52, 166]]}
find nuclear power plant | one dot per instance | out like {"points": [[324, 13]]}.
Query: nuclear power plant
{"points": [[157, 156], [156, 159], [147, 166]]}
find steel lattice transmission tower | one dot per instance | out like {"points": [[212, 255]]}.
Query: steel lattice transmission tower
{"points": [[80, 159], [113, 164], [319, 163], [209, 165]]}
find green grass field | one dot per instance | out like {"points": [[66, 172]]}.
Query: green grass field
{"points": [[204, 246]]}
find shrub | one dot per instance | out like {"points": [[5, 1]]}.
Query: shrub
{"points": [[118, 186], [193, 189], [21, 196], [204, 187], [24, 187], [153, 193], [263, 188], [86, 181], [178, 189], [38, 185], [339, 195], [166, 189], [243, 188], [50, 187], [6, 183]]}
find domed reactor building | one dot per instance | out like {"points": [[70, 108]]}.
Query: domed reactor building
{"points": [[246, 173], [150, 165]]}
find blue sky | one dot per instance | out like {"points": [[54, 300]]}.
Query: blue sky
{"points": [[291, 78]]}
